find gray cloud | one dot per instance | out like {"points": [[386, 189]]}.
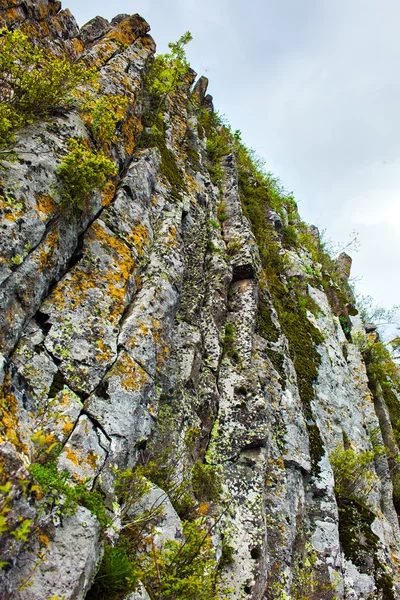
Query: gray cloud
{"points": [[313, 86]]}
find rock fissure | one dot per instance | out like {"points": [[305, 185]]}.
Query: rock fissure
{"points": [[185, 330]]}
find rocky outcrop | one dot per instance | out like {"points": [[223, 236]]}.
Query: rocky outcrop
{"points": [[146, 324]]}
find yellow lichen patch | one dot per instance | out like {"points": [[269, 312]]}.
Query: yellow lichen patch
{"points": [[67, 427], [143, 328], [139, 238], [10, 426], [29, 29], [124, 33], [172, 237], [12, 14], [46, 253], [12, 211], [92, 459], [117, 278], [192, 184], [104, 353], [203, 509], [77, 45], [108, 193], [73, 456], [44, 540], [45, 206], [130, 129], [72, 289], [102, 53], [132, 376]]}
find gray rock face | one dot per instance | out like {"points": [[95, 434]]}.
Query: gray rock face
{"points": [[150, 324], [66, 566], [93, 30]]}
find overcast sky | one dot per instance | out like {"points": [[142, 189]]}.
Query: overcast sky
{"points": [[314, 87]]}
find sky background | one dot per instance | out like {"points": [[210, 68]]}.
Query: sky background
{"points": [[314, 87]]}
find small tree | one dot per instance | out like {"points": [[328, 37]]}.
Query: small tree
{"points": [[167, 73], [33, 84]]}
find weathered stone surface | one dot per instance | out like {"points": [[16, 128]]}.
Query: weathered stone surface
{"points": [[344, 265], [66, 566], [166, 520], [93, 30], [139, 594], [146, 323]]}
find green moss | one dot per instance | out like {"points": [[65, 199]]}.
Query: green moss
{"points": [[56, 485], [277, 359], [169, 168], [227, 557], [265, 325], [316, 447], [360, 543]]}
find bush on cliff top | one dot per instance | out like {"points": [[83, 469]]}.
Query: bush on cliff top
{"points": [[34, 83]]}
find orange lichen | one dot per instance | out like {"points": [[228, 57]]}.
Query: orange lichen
{"points": [[45, 206], [102, 52], [71, 289], [203, 509], [139, 237], [105, 353], [92, 459], [10, 426], [47, 253], [67, 427], [132, 376], [44, 540], [72, 456], [143, 328], [77, 45], [124, 33], [108, 193], [172, 237], [130, 129]]}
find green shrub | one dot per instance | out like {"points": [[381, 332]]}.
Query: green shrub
{"points": [[352, 471], [34, 83], [102, 116], [117, 576], [234, 246], [82, 171], [206, 482], [57, 487], [184, 570], [168, 72], [214, 224]]}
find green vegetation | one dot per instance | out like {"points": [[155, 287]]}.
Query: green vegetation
{"points": [[57, 488], [116, 577], [229, 342], [206, 482], [177, 570], [102, 116], [34, 84], [260, 194], [167, 75], [184, 570], [353, 475], [384, 381], [354, 480], [82, 171]]}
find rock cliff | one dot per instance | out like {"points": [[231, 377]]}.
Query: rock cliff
{"points": [[179, 351]]}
